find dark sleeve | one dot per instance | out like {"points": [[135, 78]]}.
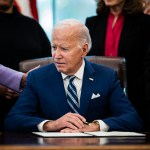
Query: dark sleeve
{"points": [[147, 88], [123, 115], [25, 112]]}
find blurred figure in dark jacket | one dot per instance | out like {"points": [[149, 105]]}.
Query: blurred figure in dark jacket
{"points": [[122, 29], [20, 38]]}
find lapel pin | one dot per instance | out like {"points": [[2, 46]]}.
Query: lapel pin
{"points": [[91, 79]]}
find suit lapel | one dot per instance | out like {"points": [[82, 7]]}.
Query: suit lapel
{"points": [[59, 91], [87, 88]]}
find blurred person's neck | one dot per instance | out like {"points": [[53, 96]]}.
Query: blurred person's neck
{"points": [[116, 10]]}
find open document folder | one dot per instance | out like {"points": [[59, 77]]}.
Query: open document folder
{"points": [[88, 134]]}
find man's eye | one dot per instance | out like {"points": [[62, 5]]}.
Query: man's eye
{"points": [[64, 49], [54, 47]]}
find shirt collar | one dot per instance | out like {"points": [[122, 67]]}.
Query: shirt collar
{"points": [[78, 74]]}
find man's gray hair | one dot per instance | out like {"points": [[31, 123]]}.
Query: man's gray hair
{"points": [[81, 31]]}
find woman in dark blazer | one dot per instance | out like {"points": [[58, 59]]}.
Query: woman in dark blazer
{"points": [[132, 43]]}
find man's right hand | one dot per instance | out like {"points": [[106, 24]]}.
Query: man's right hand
{"points": [[69, 120]]}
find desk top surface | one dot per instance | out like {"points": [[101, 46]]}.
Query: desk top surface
{"points": [[16, 141]]}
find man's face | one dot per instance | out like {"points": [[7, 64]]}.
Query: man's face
{"points": [[6, 4], [66, 52]]}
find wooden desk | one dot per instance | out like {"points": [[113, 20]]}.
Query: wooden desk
{"points": [[27, 141]]}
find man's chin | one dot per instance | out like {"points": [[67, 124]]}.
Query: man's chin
{"points": [[60, 70]]}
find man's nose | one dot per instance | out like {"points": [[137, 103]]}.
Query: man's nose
{"points": [[57, 53]]}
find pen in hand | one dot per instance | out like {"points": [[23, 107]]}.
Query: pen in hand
{"points": [[86, 123]]}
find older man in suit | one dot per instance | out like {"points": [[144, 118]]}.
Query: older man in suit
{"points": [[67, 94]]}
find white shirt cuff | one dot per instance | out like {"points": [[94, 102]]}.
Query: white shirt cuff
{"points": [[40, 125], [103, 126]]}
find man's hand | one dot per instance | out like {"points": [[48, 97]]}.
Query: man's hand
{"points": [[23, 80], [87, 128], [70, 120]]}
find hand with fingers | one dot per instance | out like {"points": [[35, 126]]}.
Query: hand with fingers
{"points": [[91, 127], [23, 80], [69, 121]]}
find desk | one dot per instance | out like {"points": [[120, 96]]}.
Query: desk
{"points": [[28, 141]]}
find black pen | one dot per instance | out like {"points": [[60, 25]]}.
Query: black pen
{"points": [[87, 123]]}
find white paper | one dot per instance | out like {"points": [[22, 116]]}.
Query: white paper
{"points": [[87, 134], [59, 134], [115, 133]]}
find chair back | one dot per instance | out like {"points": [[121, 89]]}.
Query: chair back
{"points": [[116, 63]]}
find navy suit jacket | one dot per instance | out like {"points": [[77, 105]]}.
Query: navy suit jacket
{"points": [[44, 97]]}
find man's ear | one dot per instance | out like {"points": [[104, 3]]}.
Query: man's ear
{"points": [[85, 49]]}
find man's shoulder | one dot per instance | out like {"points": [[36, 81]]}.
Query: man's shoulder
{"points": [[49, 68], [100, 68]]}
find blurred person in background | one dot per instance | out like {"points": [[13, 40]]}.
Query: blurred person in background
{"points": [[20, 38], [122, 29]]}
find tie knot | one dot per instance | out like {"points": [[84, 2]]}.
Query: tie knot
{"points": [[71, 78]]}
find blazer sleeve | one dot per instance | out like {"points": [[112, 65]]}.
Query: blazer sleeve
{"points": [[10, 78], [25, 112], [123, 114]]}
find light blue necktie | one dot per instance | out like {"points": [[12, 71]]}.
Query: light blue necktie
{"points": [[72, 95]]}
